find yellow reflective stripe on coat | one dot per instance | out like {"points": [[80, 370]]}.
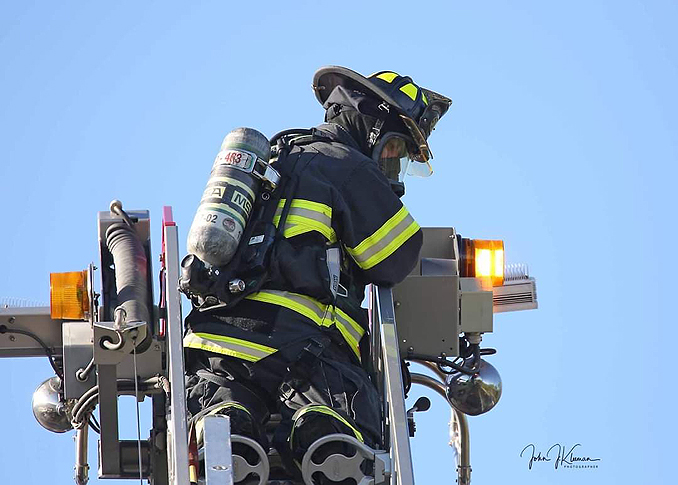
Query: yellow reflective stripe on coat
{"points": [[305, 216], [349, 328], [385, 240], [319, 408], [315, 311], [220, 344]]}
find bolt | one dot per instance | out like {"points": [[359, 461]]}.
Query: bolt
{"points": [[156, 347], [219, 467], [11, 319], [397, 304], [115, 206], [12, 338]]}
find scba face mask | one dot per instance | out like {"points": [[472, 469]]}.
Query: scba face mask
{"points": [[397, 156]]}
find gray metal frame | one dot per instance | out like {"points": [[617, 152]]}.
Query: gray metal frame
{"points": [[36, 320], [395, 414], [176, 423]]}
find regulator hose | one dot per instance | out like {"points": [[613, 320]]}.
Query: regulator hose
{"points": [[131, 277]]}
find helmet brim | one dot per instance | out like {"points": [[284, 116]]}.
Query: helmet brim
{"points": [[327, 78]]}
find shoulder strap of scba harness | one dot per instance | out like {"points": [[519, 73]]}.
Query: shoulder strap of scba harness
{"points": [[248, 271]]}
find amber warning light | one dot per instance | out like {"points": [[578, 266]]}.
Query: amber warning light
{"points": [[483, 258], [68, 296]]}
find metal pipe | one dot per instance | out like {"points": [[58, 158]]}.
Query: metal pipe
{"points": [[81, 467], [433, 367], [430, 382], [464, 466]]}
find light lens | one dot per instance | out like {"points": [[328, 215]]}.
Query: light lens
{"points": [[68, 296], [489, 260]]}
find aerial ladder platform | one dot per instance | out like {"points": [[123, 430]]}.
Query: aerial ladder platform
{"points": [[436, 317]]}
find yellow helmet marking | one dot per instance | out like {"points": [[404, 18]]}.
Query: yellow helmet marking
{"points": [[387, 76], [411, 90]]}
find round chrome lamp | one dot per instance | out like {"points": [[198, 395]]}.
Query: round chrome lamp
{"points": [[48, 407], [474, 394]]}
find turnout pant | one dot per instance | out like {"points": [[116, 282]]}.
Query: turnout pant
{"points": [[315, 386]]}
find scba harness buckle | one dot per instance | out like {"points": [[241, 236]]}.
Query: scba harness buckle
{"points": [[337, 467]]}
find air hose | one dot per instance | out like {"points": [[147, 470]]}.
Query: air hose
{"points": [[131, 278]]}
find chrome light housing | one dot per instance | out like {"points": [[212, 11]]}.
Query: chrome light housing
{"points": [[50, 410], [474, 394]]}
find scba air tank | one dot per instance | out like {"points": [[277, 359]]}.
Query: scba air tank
{"points": [[237, 174]]}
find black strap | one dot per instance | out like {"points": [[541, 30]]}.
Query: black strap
{"points": [[305, 363], [213, 378]]}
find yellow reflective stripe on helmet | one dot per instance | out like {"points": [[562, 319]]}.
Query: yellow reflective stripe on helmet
{"points": [[219, 344], [411, 90], [319, 408], [385, 240], [306, 216], [387, 76], [316, 312]]}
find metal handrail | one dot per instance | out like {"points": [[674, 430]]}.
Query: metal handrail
{"points": [[389, 376], [464, 465], [177, 428]]}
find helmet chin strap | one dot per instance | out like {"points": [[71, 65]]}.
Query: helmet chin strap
{"points": [[376, 129], [373, 136]]}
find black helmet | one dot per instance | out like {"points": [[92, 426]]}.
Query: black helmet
{"points": [[419, 109]]}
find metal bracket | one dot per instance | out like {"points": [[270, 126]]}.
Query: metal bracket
{"points": [[217, 439], [113, 343], [241, 468], [339, 467]]}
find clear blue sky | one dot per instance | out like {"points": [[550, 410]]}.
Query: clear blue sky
{"points": [[561, 141]]}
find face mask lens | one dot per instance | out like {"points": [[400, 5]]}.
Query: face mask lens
{"points": [[393, 158]]}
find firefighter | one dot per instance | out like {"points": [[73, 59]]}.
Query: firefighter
{"points": [[296, 346]]}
